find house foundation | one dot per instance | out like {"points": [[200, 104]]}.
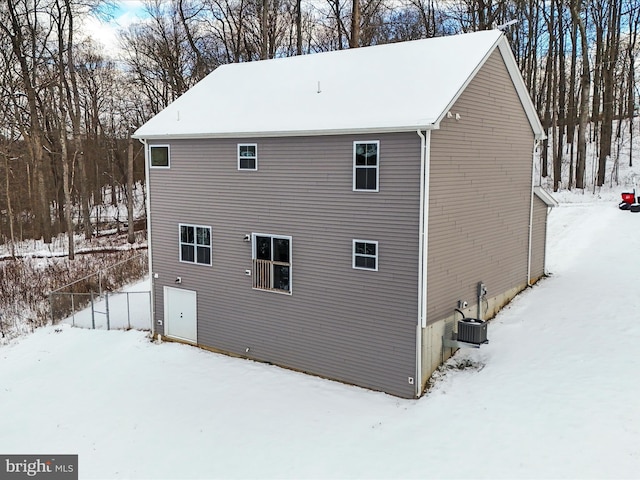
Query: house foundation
{"points": [[434, 353]]}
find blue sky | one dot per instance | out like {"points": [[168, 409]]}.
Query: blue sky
{"points": [[123, 8]]}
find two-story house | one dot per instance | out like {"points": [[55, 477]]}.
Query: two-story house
{"points": [[328, 212]]}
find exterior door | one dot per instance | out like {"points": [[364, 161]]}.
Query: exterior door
{"points": [[180, 307]]}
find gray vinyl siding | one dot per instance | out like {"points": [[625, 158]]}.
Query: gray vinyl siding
{"points": [[351, 325], [538, 238], [480, 194]]}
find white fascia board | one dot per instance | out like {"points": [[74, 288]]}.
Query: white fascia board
{"points": [[295, 133], [545, 196]]}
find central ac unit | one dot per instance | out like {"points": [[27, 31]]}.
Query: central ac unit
{"points": [[472, 330]]}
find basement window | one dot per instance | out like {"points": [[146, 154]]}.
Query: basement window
{"points": [[159, 156], [247, 156], [365, 166], [271, 262], [365, 255], [195, 244]]}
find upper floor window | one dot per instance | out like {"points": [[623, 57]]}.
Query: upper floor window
{"points": [[247, 156], [195, 244], [365, 254], [365, 165], [159, 156], [271, 263]]}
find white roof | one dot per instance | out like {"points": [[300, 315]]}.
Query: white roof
{"points": [[545, 196], [393, 87]]}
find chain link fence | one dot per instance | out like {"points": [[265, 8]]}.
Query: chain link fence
{"points": [[111, 310], [95, 302]]}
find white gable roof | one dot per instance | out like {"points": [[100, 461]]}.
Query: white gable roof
{"points": [[545, 196], [394, 87]]}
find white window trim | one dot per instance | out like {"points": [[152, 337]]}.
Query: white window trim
{"points": [[377, 167], [253, 257], [256, 156], [168, 157], [353, 255], [195, 245]]}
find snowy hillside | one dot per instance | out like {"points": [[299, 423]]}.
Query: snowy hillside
{"points": [[553, 395]]}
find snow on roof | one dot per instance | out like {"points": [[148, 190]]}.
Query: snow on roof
{"points": [[545, 196], [392, 87]]}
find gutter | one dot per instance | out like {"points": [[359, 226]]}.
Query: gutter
{"points": [[149, 252], [425, 143], [285, 133]]}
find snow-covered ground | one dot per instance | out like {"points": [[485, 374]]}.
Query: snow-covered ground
{"points": [[556, 394]]}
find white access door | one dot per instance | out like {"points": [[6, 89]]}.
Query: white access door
{"points": [[180, 307]]}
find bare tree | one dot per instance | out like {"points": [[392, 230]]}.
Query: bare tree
{"points": [[633, 14], [609, 60], [158, 56], [430, 16], [21, 25], [188, 14], [354, 37], [560, 90], [547, 91], [64, 22], [299, 27], [585, 83]]}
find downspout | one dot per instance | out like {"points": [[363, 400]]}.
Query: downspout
{"points": [[546, 221], [533, 173], [422, 252], [148, 209]]}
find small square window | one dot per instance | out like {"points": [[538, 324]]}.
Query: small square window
{"points": [[365, 254], [247, 156], [159, 156]]}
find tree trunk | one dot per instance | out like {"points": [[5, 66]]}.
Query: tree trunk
{"points": [[571, 114], [73, 98], [631, 104], [12, 240], [63, 111], [610, 59], [27, 78], [264, 48], [634, 24], [339, 26], [585, 81], [299, 27], [547, 101], [66, 180], [354, 39], [597, 75], [43, 202], [560, 88]]}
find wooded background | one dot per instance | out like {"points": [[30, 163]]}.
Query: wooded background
{"points": [[68, 108]]}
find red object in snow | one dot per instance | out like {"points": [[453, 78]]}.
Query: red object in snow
{"points": [[629, 198]]}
